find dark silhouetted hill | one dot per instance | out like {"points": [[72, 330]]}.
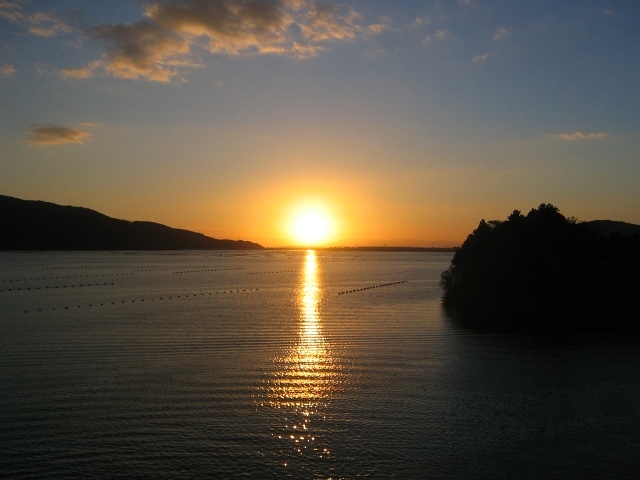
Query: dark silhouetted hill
{"points": [[36, 225], [610, 227], [545, 272]]}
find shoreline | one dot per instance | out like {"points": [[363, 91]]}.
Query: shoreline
{"points": [[370, 249]]}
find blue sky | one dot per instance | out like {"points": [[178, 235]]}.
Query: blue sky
{"points": [[409, 121]]}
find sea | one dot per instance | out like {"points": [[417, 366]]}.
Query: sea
{"points": [[292, 364]]}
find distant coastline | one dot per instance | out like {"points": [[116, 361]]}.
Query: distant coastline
{"points": [[371, 249], [33, 225]]}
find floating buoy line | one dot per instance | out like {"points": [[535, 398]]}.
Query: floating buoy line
{"points": [[275, 271], [162, 298], [57, 286], [371, 287], [84, 267], [66, 277], [114, 274], [210, 270], [401, 271], [26, 264]]}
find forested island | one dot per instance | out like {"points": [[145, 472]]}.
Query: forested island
{"points": [[545, 272], [37, 225]]}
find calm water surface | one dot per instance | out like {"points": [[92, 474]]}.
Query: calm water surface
{"points": [[291, 364]]}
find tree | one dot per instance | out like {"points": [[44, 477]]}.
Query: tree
{"points": [[545, 272]]}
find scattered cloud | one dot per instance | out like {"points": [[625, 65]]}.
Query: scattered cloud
{"points": [[56, 135], [440, 35], [10, 10], [44, 24], [580, 136], [420, 22], [443, 34], [500, 33], [7, 70], [85, 72], [608, 12], [480, 58], [324, 23], [161, 46]]}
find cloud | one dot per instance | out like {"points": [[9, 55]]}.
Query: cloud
{"points": [[580, 136], [500, 33], [86, 72], [43, 24], [161, 46], [7, 70], [443, 34], [480, 58], [10, 10], [324, 23], [56, 135], [420, 22]]}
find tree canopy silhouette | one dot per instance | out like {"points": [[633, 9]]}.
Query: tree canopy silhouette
{"points": [[544, 271]]}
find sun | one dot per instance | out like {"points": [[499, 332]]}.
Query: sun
{"points": [[311, 225]]}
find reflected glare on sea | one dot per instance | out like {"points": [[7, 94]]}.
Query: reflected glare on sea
{"points": [[290, 364]]}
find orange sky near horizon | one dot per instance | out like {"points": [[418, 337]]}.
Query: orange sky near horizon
{"points": [[408, 122]]}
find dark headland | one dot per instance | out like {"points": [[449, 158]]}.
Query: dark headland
{"points": [[548, 273], [37, 225]]}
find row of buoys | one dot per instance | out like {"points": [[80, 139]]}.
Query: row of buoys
{"points": [[212, 270], [84, 267], [371, 287], [276, 271], [155, 267], [151, 299], [57, 286], [66, 277], [26, 264], [114, 274], [401, 271]]}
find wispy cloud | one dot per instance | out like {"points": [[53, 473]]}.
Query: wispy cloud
{"points": [[443, 34], [500, 33], [580, 136], [480, 58], [420, 22], [86, 72], [56, 135], [161, 46], [10, 10], [7, 70], [44, 24]]}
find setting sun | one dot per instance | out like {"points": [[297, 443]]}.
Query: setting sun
{"points": [[311, 225]]}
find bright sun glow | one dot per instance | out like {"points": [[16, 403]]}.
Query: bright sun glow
{"points": [[311, 226]]}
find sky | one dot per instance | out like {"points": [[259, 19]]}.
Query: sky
{"points": [[401, 122]]}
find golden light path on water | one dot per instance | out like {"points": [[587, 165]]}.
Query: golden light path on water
{"points": [[308, 373]]}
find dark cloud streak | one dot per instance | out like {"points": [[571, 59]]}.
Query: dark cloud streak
{"points": [[56, 135]]}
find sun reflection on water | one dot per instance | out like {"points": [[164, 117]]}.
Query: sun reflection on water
{"points": [[308, 374]]}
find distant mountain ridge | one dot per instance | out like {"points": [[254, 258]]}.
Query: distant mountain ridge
{"points": [[38, 225], [608, 227]]}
